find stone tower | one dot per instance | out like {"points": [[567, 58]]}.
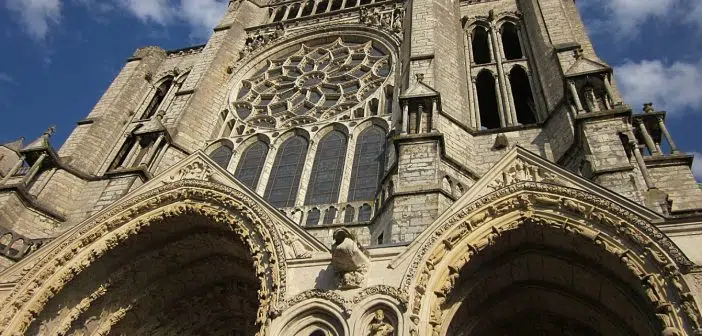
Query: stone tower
{"points": [[358, 167]]}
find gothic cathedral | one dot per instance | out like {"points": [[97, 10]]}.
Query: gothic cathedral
{"points": [[358, 168]]}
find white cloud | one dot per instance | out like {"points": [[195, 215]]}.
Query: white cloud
{"points": [[36, 15], [697, 166], [623, 18], [158, 11], [672, 87], [6, 78], [202, 15]]}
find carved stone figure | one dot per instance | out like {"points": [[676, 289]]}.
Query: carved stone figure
{"points": [[380, 326], [295, 248], [349, 260]]}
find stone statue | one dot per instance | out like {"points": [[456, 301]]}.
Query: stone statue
{"points": [[379, 326], [349, 260]]}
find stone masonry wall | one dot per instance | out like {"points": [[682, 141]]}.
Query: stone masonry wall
{"points": [[680, 185]]}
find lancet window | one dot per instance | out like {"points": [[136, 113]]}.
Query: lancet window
{"points": [[251, 164], [222, 155], [501, 86], [327, 170], [368, 164], [285, 175], [158, 98]]}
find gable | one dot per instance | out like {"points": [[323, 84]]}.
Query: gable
{"points": [[585, 66]]}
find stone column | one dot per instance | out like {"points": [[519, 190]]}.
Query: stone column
{"points": [[434, 111], [343, 4], [666, 134], [314, 8], [576, 96], [476, 104], [642, 165], [608, 88], [405, 118], [152, 151], [329, 6], [35, 168], [647, 138], [128, 161], [500, 110], [520, 36], [14, 170], [594, 107], [266, 170], [501, 88], [287, 13], [273, 13], [510, 94], [468, 57]]}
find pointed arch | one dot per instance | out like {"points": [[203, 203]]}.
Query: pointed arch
{"points": [[511, 44], [561, 227], [96, 265], [522, 95], [221, 153], [286, 172], [368, 164], [327, 169], [251, 163], [480, 45], [158, 97], [487, 100]]}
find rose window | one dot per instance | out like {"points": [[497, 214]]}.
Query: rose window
{"points": [[317, 81]]}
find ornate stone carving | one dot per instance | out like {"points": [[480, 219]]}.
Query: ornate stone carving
{"points": [[223, 205], [196, 170], [349, 260], [390, 21], [294, 248], [380, 326], [521, 171]]}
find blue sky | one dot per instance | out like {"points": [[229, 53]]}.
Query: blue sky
{"points": [[60, 55]]}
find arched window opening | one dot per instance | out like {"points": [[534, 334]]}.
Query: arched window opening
{"points": [[330, 215], [336, 4], [349, 213], [294, 9], [368, 163], [228, 128], [313, 217], [279, 14], [328, 168], [318, 333], [481, 46], [157, 99], [221, 156], [388, 99], [487, 100], [510, 42], [251, 164], [373, 106], [240, 130], [121, 158], [365, 213], [307, 10], [523, 98], [358, 113], [381, 239], [322, 7], [285, 175]]}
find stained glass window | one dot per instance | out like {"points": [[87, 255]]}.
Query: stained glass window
{"points": [[251, 164], [284, 180], [221, 156], [327, 170], [368, 164]]}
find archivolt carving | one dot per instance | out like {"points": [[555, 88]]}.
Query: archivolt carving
{"points": [[223, 205], [616, 230], [346, 305]]}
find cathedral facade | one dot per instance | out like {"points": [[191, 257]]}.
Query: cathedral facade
{"points": [[358, 167]]}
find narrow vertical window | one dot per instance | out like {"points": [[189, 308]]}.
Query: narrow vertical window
{"points": [[251, 164], [523, 98], [307, 10], [285, 174], [487, 100], [510, 42], [279, 14], [368, 164], [157, 99], [481, 46], [388, 99], [327, 170], [221, 156]]}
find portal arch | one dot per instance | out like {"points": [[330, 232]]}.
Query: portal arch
{"points": [[185, 246], [571, 231]]}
